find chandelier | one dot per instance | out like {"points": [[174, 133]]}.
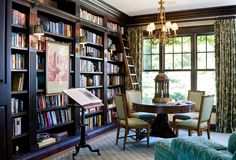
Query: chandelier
{"points": [[165, 29]]}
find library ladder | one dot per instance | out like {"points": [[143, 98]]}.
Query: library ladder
{"points": [[129, 63]]}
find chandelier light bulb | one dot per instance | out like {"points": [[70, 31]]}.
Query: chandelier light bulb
{"points": [[174, 26], [168, 24]]}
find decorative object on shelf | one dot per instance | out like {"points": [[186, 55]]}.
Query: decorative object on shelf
{"points": [[164, 33], [57, 66], [38, 31], [161, 89], [83, 41], [112, 48], [89, 81]]}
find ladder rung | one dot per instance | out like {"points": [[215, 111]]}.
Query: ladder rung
{"points": [[134, 83], [132, 74], [130, 65], [129, 57], [126, 47]]}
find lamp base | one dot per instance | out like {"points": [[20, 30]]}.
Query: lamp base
{"points": [[160, 100]]}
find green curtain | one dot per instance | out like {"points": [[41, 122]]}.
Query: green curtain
{"points": [[135, 40], [225, 51]]}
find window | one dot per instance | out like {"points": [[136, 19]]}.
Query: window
{"points": [[188, 63]]}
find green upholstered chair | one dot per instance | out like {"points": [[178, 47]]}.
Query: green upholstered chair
{"points": [[203, 121], [136, 96], [196, 97], [128, 123]]}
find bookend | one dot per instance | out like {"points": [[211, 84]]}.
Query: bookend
{"points": [[82, 143]]}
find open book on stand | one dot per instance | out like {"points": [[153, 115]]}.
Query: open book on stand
{"points": [[82, 96]]}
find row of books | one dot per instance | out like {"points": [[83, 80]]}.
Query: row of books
{"points": [[114, 80], [112, 92], [111, 114], [90, 81], [17, 105], [16, 126], [18, 18], [18, 61], [18, 39], [59, 28], [43, 101], [45, 139], [90, 51], [115, 27], [112, 68], [88, 66], [18, 81], [91, 17], [92, 122], [91, 37], [52, 118], [40, 62]]}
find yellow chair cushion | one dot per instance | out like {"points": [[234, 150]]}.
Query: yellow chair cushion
{"points": [[134, 122], [191, 123], [143, 115]]}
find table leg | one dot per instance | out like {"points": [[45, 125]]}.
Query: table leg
{"points": [[160, 127]]}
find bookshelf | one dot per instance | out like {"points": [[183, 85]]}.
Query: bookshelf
{"points": [[32, 113]]}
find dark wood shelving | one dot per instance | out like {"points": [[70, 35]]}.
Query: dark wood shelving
{"points": [[20, 136], [40, 90], [94, 44], [20, 48], [91, 72], [19, 92], [91, 58], [115, 62], [40, 51], [72, 71], [19, 114], [72, 55], [93, 113], [19, 27], [88, 24], [115, 74], [51, 109], [55, 126], [115, 86], [40, 70], [93, 87], [58, 36], [19, 70], [113, 33]]}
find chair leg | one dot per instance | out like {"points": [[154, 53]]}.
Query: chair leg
{"points": [[177, 132], [118, 133], [208, 133], [125, 138], [148, 134], [189, 132], [174, 120], [137, 135], [199, 133]]}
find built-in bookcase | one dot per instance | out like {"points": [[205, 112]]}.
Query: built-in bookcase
{"points": [[37, 115]]}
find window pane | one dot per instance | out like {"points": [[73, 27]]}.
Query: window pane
{"points": [[201, 43], [177, 61], [148, 84], [177, 45], [187, 61], [210, 61], [147, 62], [201, 60], [146, 46], [168, 61], [186, 44], [208, 86], [155, 49], [179, 84], [210, 43], [155, 61], [168, 48]]}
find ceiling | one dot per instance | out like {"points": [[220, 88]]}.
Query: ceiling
{"points": [[142, 7]]}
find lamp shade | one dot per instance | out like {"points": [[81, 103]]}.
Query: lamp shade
{"points": [[38, 30], [112, 47], [82, 40]]}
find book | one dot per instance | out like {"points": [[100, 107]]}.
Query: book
{"points": [[46, 142], [82, 96]]}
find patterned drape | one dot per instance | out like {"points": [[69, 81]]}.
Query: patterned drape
{"points": [[135, 39], [225, 50]]}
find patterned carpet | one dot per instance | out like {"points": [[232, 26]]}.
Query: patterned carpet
{"points": [[133, 151]]}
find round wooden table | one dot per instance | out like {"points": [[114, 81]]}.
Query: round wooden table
{"points": [[160, 126]]}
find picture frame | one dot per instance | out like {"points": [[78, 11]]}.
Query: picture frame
{"points": [[57, 67]]}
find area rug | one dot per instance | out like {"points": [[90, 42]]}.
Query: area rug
{"points": [[133, 151]]}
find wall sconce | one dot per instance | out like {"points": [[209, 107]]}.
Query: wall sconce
{"points": [[83, 41], [38, 31], [112, 48]]}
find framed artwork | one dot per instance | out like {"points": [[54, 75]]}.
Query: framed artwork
{"points": [[57, 67]]}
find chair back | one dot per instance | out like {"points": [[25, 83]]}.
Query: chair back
{"points": [[206, 108], [196, 96], [121, 107], [132, 96]]}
